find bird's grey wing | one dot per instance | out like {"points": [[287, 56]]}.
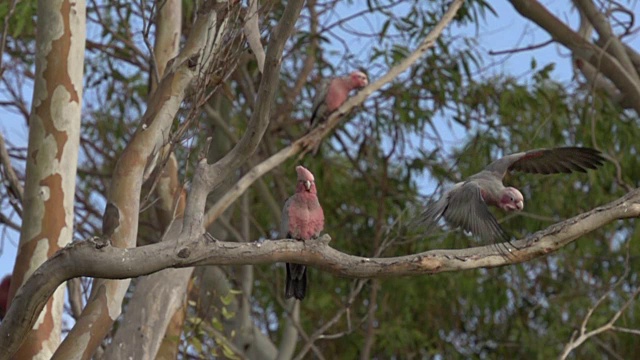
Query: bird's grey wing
{"points": [[549, 161], [432, 213], [319, 105], [467, 209], [284, 221]]}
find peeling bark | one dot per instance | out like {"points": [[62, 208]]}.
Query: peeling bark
{"points": [[167, 41], [54, 128]]}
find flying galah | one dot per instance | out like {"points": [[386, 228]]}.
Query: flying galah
{"points": [[302, 219], [4, 295], [333, 93], [466, 204]]}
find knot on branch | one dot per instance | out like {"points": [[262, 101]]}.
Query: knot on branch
{"points": [[184, 253], [100, 242], [324, 239], [192, 61]]}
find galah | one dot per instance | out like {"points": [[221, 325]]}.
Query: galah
{"points": [[466, 204], [4, 295], [333, 93], [302, 219]]}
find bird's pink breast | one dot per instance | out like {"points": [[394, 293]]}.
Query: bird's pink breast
{"points": [[306, 218], [336, 95]]}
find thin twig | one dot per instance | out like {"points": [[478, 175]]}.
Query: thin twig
{"points": [[5, 32], [582, 335], [14, 188], [522, 49]]}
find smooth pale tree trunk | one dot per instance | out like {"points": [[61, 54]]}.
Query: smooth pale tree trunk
{"points": [[158, 296], [54, 129], [105, 304]]}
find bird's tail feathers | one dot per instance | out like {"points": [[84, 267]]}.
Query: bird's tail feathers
{"points": [[296, 282]]}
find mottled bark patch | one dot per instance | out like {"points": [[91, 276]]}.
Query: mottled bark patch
{"points": [[56, 73], [54, 220]]}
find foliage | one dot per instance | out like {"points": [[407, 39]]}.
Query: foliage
{"points": [[444, 120]]}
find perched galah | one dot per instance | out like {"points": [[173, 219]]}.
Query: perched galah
{"points": [[333, 93], [466, 204], [4, 295], [302, 219]]}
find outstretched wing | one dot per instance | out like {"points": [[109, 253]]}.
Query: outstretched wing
{"points": [[466, 209], [549, 161]]}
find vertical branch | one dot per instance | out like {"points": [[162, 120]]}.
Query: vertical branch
{"points": [[246, 271], [167, 40], [290, 333], [375, 283], [141, 334], [370, 335], [252, 32]]}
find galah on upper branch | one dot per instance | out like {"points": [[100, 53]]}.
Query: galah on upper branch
{"points": [[466, 204], [333, 93], [302, 219], [4, 295]]}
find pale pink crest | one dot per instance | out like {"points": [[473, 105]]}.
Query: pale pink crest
{"points": [[304, 174]]}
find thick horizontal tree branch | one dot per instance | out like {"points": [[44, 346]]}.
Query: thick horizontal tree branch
{"points": [[84, 259]]}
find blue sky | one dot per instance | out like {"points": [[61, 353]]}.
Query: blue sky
{"points": [[507, 31]]}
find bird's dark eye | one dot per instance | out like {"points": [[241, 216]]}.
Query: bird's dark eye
{"points": [[512, 198]]}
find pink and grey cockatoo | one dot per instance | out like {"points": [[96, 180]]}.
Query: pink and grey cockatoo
{"points": [[465, 205], [302, 219], [333, 93]]}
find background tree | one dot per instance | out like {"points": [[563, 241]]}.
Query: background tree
{"points": [[172, 83]]}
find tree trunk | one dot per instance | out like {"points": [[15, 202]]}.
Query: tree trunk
{"points": [[54, 129]]}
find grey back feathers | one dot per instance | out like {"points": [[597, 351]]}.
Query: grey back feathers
{"points": [[319, 107]]}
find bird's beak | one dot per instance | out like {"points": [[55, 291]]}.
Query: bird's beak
{"points": [[520, 205], [307, 185]]}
